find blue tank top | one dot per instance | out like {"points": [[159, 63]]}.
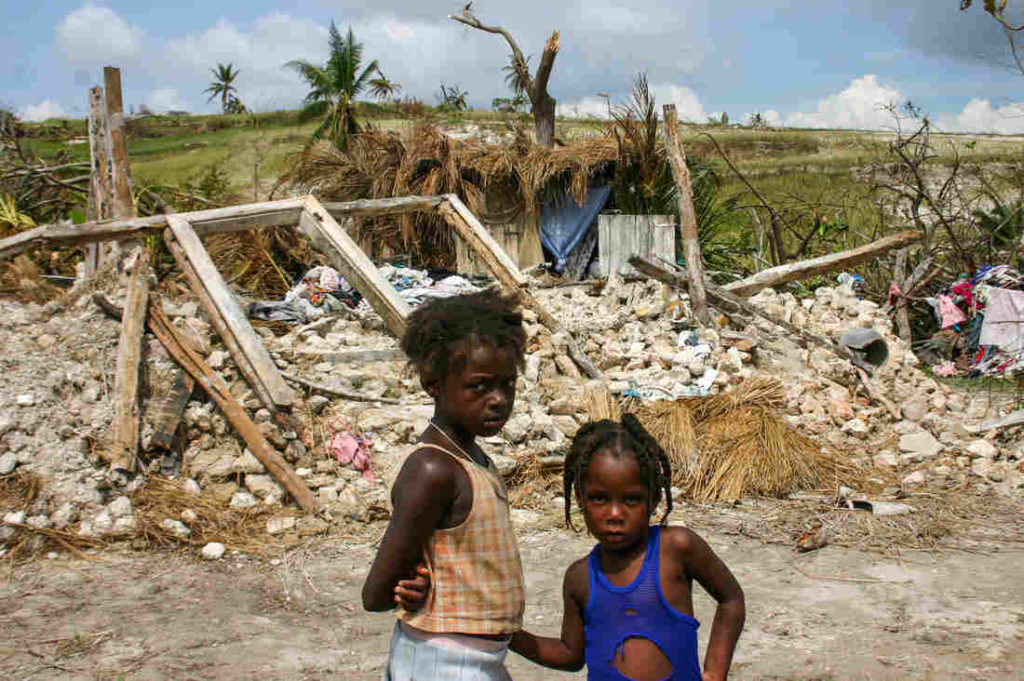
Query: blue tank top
{"points": [[639, 610]]}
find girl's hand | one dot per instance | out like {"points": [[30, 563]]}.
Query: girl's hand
{"points": [[411, 594]]}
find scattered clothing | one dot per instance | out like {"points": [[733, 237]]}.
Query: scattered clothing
{"points": [[945, 369], [354, 451], [1004, 320], [950, 313]]}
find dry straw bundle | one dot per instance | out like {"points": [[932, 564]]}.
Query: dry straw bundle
{"points": [[733, 444]]}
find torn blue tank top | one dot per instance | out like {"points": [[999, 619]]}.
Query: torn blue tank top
{"points": [[617, 613]]}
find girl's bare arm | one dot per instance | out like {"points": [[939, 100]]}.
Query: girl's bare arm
{"points": [[565, 653], [423, 491], [701, 563]]}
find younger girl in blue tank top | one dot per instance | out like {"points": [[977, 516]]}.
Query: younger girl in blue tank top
{"points": [[629, 605]]}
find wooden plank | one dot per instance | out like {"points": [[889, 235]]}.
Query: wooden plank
{"points": [[483, 244], [622, 236], [393, 206], [350, 261], [223, 305], [353, 356], [687, 216], [117, 143], [99, 177], [804, 269], [488, 252], [124, 448], [219, 392], [339, 392]]}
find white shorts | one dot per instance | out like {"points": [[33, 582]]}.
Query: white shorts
{"points": [[423, 656]]}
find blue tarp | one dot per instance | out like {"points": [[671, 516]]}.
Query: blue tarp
{"points": [[564, 222]]}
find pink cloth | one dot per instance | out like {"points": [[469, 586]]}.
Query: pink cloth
{"points": [[950, 313], [352, 451]]}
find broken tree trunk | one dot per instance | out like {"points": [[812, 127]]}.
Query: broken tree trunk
{"points": [[732, 303], [804, 269], [219, 392], [124, 447], [353, 264], [899, 280], [508, 275], [228, 318], [687, 216]]}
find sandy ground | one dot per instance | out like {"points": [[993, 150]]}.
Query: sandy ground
{"points": [[833, 614]]}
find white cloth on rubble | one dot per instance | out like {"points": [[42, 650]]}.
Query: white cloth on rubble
{"points": [[1004, 320]]}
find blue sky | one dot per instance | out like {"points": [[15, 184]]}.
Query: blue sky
{"points": [[817, 63]]}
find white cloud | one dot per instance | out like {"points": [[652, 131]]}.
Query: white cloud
{"points": [[860, 106], [42, 111], [97, 35], [980, 116], [167, 99], [687, 103]]}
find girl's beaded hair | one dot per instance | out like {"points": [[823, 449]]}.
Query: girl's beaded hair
{"points": [[627, 437]]}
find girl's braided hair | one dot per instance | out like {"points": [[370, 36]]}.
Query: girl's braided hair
{"points": [[630, 437]]}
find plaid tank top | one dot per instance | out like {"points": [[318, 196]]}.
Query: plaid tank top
{"points": [[476, 577]]}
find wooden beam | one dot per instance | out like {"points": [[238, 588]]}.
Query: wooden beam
{"points": [[687, 216], [508, 275], [124, 206], [205, 222], [246, 348], [804, 269], [218, 390], [124, 448], [483, 244], [100, 191], [375, 207], [339, 392], [353, 264]]}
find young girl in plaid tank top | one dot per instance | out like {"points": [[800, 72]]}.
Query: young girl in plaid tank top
{"points": [[451, 516]]}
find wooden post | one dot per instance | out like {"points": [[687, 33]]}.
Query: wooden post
{"points": [[125, 444], [687, 216], [803, 269], [100, 192], [488, 252], [899, 279], [218, 390], [124, 207], [230, 321], [353, 264]]}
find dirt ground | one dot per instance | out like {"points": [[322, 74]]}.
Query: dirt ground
{"points": [[835, 613]]}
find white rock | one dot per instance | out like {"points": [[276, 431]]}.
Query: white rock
{"points": [[125, 525], [189, 516], [317, 404], [523, 516], [217, 359], [192, 487], [915, 408], [532, 371], [242, 500], [886, 459], [922, 443], [120, 507], [856, 428], [102, 523], [982, 449], [15, 517], [327, 495], [65, 515], [8, 462], [40, 521], [176, 527], [213, 551], [247, 463], [303, 472], [280, 524], [262, 486], [26, 400], [915, 479]]}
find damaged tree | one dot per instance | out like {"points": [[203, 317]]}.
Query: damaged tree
{"points": [[542, 105]]}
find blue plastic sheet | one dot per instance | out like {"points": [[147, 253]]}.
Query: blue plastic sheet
{"points": [[564, 222]]}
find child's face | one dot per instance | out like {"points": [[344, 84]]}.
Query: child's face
{"points": [[479, 397], [616, 502]]}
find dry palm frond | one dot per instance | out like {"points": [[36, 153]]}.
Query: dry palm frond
{"points": [[751, 451], [599, 404], [262, 263], [20, 280], [19, 489], [161, 498], [765, 392], [671, 423]]}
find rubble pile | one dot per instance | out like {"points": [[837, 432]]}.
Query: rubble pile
{"points": [[59, 362]]}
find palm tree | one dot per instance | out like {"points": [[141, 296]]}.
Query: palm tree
{"points": [[223, 86], [335, 86]]}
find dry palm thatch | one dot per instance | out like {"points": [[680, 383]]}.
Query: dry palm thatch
{"points": [[20, 280], [425, 161], [161, 498]]}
